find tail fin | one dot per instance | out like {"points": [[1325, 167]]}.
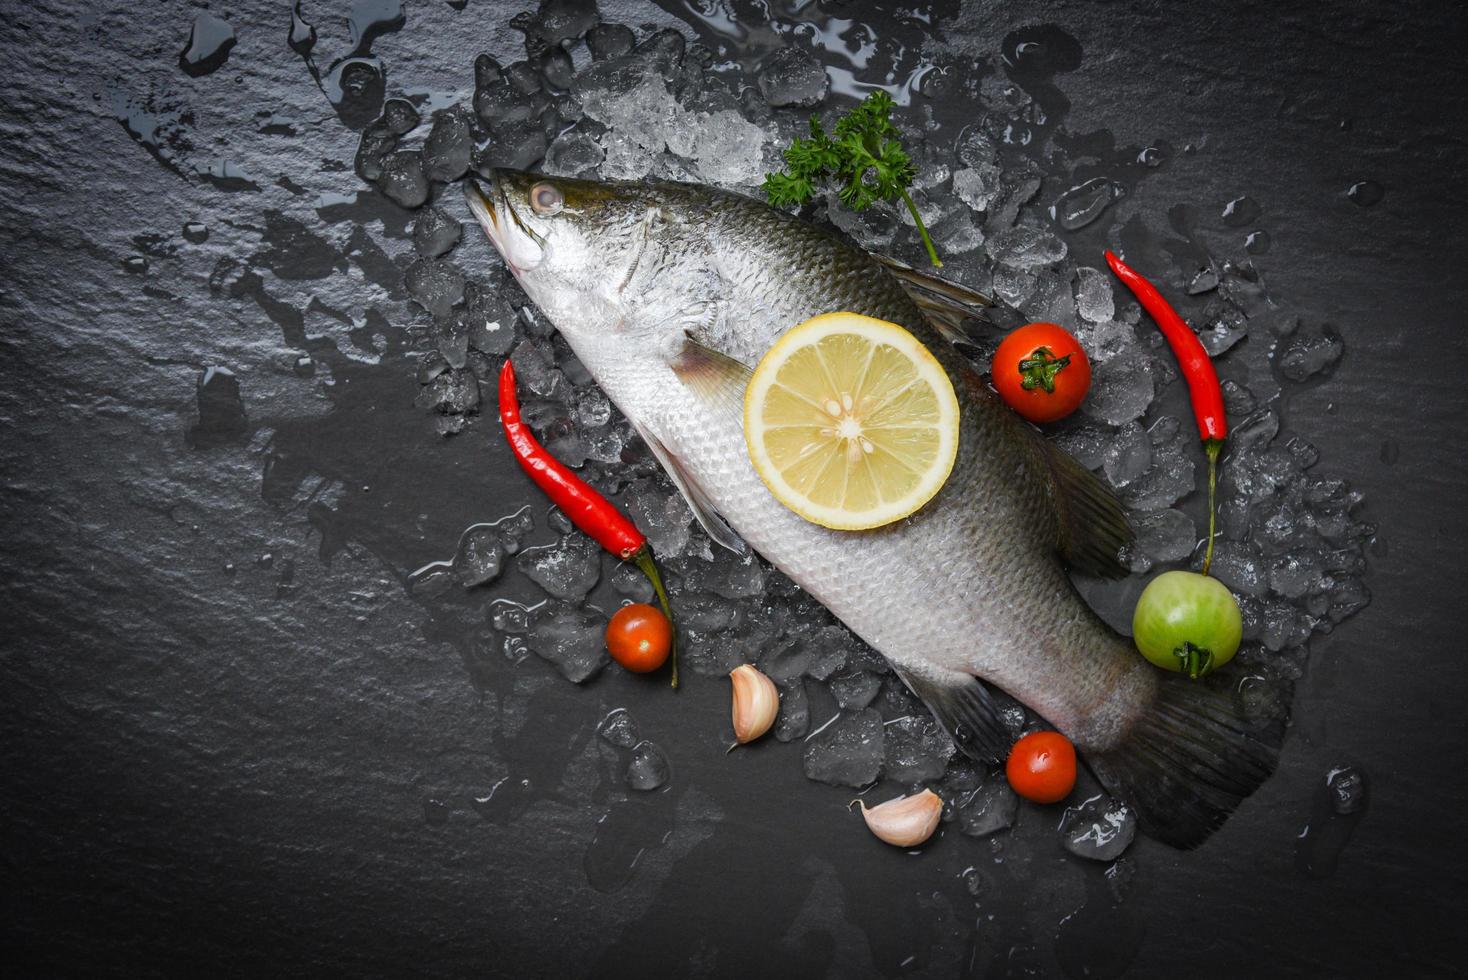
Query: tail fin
{"points": [[1190, 760]]}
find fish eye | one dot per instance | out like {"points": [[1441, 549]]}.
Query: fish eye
{"points": [[546, 199]]}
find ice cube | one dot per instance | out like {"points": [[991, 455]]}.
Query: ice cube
{"points": [[649, 767], [452, 337], [1012, 286], [402, 178], [961, 238], [727, 148], [793, 721], [557, 70], [848, 751], [1294, 575], [712, 654], [1094, 299], [990, 808], [435, 284], [479, 556], [610, 41], [452, 393], [1308, 354], [663, 516], [574, 153], [1100, 829], [399, 117], [629, 581], [1204, 280], [1127, 456], [572, 640], [1166, 535], [558, 21], [791, 76], [916, 749], [707, 613], [1169, 479], [523, 77], [1087, 444], [568, 569], [535, 372], [1121, 387], [435, 233], [619, 728], [447, 149], [976, 188], [1238, 565], [855, 690]]}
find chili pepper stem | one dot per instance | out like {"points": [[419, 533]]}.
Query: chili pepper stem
{"points": [[1213, 447], [644, 560], [922, 231]]}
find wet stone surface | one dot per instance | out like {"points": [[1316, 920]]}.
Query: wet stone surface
{"points": [[286, 621]]}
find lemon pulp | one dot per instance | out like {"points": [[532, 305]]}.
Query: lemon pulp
{"points": [[851, 422]]}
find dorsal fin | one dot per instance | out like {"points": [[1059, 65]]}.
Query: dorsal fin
{"points": [[1091, 524], [946, 303]]}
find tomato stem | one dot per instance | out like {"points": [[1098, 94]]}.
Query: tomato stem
{"points": [[1213, 446], [1195, 660], [644, 560], [1040, 368]]}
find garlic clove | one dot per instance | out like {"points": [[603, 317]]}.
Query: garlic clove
{"points": [[905, 821], [756, 702]]}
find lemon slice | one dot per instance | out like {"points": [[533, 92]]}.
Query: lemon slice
{"points": [[851, 422]]}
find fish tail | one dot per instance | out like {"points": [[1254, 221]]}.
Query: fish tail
{"points": [[1191, 759]]}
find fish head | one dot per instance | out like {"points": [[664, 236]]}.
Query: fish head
{"points": [[573, 245]]}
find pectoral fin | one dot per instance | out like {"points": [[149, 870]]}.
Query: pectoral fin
{"points": [[698, 502], [717, 379], [719, 382], [966, 710]]}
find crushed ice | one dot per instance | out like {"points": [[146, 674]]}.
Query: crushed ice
{"points": [[600, 99]]}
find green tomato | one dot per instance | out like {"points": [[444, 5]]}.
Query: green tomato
{"points": [[1187, 622]]}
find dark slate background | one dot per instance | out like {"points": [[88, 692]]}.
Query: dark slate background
{"points": [[219, 761]]}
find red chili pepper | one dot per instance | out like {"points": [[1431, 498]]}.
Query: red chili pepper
{"points": [[587, 509], [1197, 369]]}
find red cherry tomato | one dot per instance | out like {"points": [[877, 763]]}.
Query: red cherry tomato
{"points": [[639, 638], [1042, 767], [1041, 372]]}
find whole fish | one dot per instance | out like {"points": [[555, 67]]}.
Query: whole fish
{"points": [[670, 293]]}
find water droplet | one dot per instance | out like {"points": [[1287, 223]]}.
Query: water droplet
{"points": [[1241, 211], [1152, 156], [1257, 242], [1204, 280], [1390, 452], [209, 42], [302, 37], [136, 264], [304, 366], [229, 569], [1365, 193], [222, 418], [196, 232], [1083, 203]]}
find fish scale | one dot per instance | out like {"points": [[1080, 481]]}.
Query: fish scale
{"points": [[670, 293]]}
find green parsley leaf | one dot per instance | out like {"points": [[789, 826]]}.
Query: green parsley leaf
{"points": [[863, 157]]}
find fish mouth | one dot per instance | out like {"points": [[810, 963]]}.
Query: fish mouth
{"points": [[480, 193], [519, 245]]}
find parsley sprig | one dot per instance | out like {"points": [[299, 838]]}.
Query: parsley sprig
{"points": [[863, 153]]}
